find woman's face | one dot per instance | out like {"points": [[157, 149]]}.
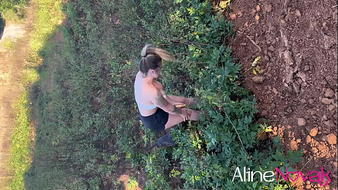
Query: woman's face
{"points": [[155, 73]]}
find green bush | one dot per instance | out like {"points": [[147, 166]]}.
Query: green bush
{"points": [[13, 9]]}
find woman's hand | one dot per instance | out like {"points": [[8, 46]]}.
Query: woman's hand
{"points": [[190, 101], [185, 114]]}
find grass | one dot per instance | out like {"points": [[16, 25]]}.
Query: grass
{"points": [[48, 16], [21, 142], [13, 10], [8, 44], [13, 17]]}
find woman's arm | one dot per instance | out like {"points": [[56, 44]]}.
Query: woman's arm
{"points": [[177, 99], [174, 100], [162, 103]]}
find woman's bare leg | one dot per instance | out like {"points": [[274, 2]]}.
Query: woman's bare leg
{"points": [[176, 119]]}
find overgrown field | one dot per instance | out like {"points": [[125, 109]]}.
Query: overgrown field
{"points": [[88, 131]]}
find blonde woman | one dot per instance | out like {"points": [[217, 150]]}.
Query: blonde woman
{"points": [[158, 111]]}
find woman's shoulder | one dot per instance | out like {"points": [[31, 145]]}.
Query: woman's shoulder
{"points": [[157, 85]]}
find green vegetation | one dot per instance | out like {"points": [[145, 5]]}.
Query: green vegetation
{"points": [[21, 143], [47, 17], [87, 118], [13, 10], [8, 44]]}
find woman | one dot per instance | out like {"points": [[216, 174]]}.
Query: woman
{"points": [[157, 110]]}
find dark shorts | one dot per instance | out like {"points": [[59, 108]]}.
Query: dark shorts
{"points": [[157, 121]]}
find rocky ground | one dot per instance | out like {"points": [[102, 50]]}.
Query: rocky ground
{"points": [[294, 77]]}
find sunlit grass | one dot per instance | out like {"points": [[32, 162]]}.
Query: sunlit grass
{"points": [[48, 15], [12, 16], [8, 44], [30, 76], [21, 142]]}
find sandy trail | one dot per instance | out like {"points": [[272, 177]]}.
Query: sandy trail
{"points": [[11, 68]]}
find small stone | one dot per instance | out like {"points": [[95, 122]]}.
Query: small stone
{"points": [[303, 101], [331, 138], [258, 8], [324, 117], [297, 12], [268, 8], [271, 48], [232, 16], [314, 132], [335, 164], [308, 139], [329, 93], [293, 145], [257, 17], [327, 101], [329, 123], [258, 79], [299, 140], [306, 68], [274, 90], [332, 107], [301, 121], [282, 21], [311, 101]]}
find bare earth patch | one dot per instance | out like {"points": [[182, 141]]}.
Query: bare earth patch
{"points": [[11, 67], [295, 82], [12, 33]]}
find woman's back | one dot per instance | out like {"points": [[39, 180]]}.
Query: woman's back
{"points": [[143, 91]]}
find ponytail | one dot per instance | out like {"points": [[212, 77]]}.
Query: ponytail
{"points": [[152, 58]]}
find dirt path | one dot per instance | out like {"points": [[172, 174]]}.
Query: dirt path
{"points": [[11, 67], [296, 82]]}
